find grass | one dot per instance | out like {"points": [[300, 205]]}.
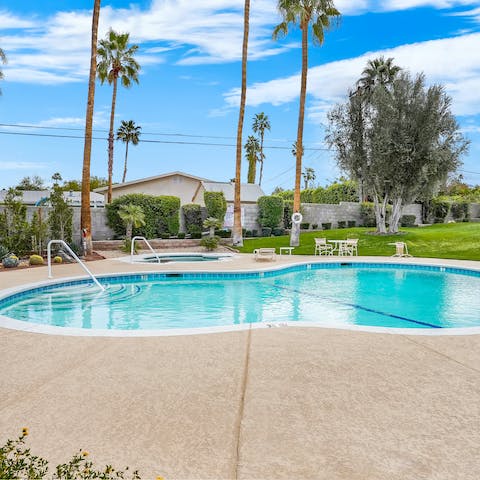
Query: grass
{"points": [[454, 240]]}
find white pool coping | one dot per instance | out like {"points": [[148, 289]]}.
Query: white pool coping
{"points": [[9, 323]]}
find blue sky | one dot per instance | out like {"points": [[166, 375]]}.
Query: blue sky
{"points": [[189, 84]]}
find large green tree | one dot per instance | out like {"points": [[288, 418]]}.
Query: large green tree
{"points": [[128, 132], [314, 16], [116, 62], [86, 218], [404, 144], [252, 152], [237, 236], [260, 124]]}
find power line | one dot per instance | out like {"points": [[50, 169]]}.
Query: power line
{"points": [[174, 142]]}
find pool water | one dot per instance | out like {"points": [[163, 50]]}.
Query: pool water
{"points": [[412, 297]]}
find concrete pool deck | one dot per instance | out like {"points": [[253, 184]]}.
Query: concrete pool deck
{"points": [[256, 404]]}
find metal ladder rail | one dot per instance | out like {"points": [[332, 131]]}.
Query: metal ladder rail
{"points": [[72, 253], [132, 248]]}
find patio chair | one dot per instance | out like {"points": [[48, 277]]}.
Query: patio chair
{"points": [[401, 250], [322, 247], [264, 254], [350, 247]]}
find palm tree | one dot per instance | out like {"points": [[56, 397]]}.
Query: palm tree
{"points": [[252, 149], [377, 72], [85, 215], [116, 61], [3, 59], [132, 216], [308, 176], [128, 132], [237, 206], [318, 14], [260, 124]]}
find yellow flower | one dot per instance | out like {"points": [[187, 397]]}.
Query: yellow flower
{"points": [[25, 431], [159, 478], [85, 454]]}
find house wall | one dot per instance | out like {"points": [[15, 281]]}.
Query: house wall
{"points": [[176, 185]]}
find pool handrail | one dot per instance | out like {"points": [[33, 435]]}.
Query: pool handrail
{"points": [[72, 254], [132, 247]]}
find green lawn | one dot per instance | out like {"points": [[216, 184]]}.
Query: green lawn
{"points": [[453, 240]]}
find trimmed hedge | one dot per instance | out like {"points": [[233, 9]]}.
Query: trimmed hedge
{"points": [[161, 214], [287, 213], [192, 215], [407, 220], [216, 205], [270, 211]]}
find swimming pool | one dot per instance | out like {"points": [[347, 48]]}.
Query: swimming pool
{"points": [[178, 257], [326, 294]]}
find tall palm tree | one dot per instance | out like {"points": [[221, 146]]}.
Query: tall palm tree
{"points": [[85, 214], [303, 13], [128, 132], [237, 236], [308, 176], [260, 124], [116, 61], [377, 72], [252, 149], [3, 59]]}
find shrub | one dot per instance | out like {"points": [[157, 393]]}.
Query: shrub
{"points": [[459, 210], [210, 243], [4, 251], [254, 233], [304, 226], [161, 214], [14, 228], [367, 213], [270, 211], [248, 233], [287, 213], [10, 261], [165, 236], [57, 259], [342, 224], [224, 233], [407, 220], [278, 232], [192, 215], [439, 210], [266, 232], [181, 235], [344, 191], [216, 205], [35, 260], [351, 223], [60, 216], [326, 226], [314, 226], [196, 235]]}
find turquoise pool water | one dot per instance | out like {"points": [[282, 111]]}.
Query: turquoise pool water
{"points": [[328, 294]]}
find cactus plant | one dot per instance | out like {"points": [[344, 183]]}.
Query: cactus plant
{"points": [[35, 260], [10, 261]]}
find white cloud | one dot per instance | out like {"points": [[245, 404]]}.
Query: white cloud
{"points": [[329, 83], [21, 165], [9, 21]]}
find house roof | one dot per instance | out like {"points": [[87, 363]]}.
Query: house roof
{"points": [[148, 179], [35, 197], [249, 192]]}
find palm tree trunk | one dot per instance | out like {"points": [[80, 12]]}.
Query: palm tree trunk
{"points": [[85, 215], [295, 232], [125, 165], [237, 207], [261, 160], [110, 141]]}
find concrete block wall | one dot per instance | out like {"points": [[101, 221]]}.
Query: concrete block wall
{"points": [[474, 210], [318, 213]]}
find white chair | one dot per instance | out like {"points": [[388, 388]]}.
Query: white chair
{"points": [[348, 247], [322, 247], [264, 254], [401, 249]]}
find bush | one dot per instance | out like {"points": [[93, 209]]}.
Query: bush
{"points": [[161, 214], [192, 215], [14, 228], [248, 233], [223, 233], [278, 232], [254, 233], [270, 211], [407, 220], [304, 226], [287, 213], [345, 191], [57, 259], [210, 243], [196, 235], [4, 251], [216, 205], [439, 210], [314, 226], [342, 224], [459, 210], [10, 261], [181, 235], [326, 226], [35, 260], [164, 236], [266, 232], [351, 223], [367, 213]]}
